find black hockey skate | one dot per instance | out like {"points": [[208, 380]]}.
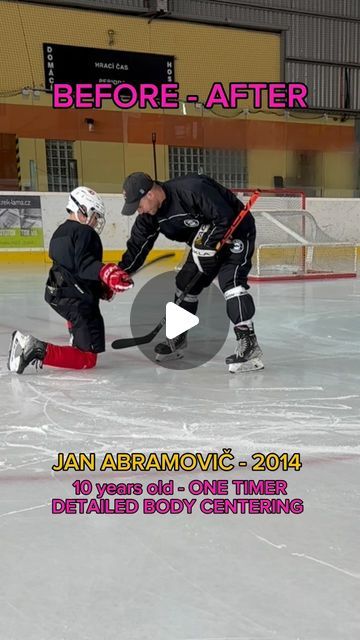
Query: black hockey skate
{"points": [[171, 349], [248, 354], [25, 350]]}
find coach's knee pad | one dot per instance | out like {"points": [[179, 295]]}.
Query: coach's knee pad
{"points": [[239, 304], [190, 302]]}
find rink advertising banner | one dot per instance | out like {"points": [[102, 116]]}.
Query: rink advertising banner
{"points": [[72, 65], [21, 222]]}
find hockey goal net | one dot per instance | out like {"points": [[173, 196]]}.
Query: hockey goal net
{"points": [[290, 243]]}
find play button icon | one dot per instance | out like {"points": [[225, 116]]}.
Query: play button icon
{"points": [[206, 337], [178, 320]]}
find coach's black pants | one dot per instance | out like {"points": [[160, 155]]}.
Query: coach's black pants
{"points": [[234, 264]]}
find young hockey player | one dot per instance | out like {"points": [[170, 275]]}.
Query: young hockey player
{"points": [[77, 281], [198, 211]]}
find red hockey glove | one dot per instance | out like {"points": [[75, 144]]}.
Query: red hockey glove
{"points": [[115, 278]]}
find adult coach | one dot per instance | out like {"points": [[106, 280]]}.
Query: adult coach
{"points": [[197, 210]]}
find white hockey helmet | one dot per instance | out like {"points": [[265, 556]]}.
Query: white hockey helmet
{"points": [[88, 202]]}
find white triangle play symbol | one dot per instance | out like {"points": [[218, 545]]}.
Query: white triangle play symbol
{"points": [[178, 320]]}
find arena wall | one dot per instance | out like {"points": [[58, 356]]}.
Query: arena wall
{"points": [[338, 217], [318, 151]]}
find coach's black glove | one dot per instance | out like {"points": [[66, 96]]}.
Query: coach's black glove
{"points": [[205, 259]]}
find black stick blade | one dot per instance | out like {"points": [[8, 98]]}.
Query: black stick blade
{"points": [[124, 343]]}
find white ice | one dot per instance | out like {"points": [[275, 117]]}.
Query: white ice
{"points": [[184, 577]]}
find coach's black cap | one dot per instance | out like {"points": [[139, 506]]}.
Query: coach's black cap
{"points": [[135, 187]]}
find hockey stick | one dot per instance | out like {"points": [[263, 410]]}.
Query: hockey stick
{"points": [[123, 343], [151, 262]]}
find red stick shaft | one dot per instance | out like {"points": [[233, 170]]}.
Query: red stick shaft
{"points": [[239, 219]]}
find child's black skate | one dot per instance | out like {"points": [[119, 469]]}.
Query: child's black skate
{"points": [[25, 350]]}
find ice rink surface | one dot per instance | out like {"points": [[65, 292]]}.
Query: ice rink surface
{"points": [[184, 577]]}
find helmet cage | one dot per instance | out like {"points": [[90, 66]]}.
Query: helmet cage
{"points": [[91, 214]]}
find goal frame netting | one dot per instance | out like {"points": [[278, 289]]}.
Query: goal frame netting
{"points": [[307, 259]]}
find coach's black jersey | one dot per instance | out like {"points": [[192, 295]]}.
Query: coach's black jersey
{"points": [[76, 251], [190, 202]]}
